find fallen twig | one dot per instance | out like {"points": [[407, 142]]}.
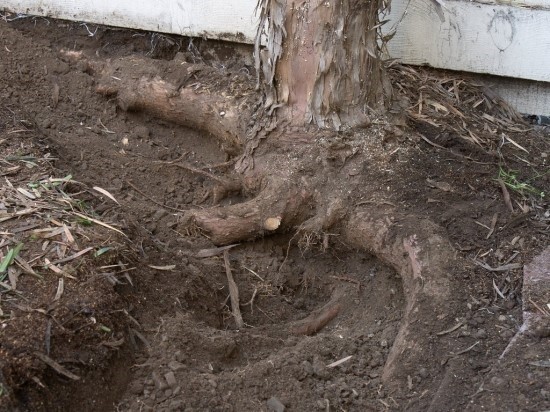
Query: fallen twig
{"points": [[468, 349], [56, 366], [233, 291], [445, 332]]}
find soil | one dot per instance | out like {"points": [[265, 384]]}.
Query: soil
{"points": [[168, 340]]}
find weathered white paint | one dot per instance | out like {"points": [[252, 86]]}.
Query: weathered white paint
{"points": [[228, 19], [537, 4], [470, 36], [483, 36], [502, 37]]}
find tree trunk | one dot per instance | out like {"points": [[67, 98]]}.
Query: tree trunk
{"points": [[321, 64]]}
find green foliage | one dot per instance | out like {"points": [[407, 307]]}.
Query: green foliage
{"points": [[524, 188]]}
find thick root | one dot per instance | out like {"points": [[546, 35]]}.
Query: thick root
{"points": [[176, 91], [275, 208], [418, 251]]}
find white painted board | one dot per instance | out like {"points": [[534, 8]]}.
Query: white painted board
{"points": [[218, 19], [500, 37], [471, 36]]}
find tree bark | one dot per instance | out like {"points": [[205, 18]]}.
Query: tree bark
{"points": [[321, 65]]}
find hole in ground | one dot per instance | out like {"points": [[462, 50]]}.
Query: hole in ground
{"points": [[196, 358], [200, 363]]}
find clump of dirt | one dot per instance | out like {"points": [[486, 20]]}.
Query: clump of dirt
{"points": [[181, 349]]}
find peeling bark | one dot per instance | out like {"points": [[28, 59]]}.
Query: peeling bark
{"points": [[321, 63]]}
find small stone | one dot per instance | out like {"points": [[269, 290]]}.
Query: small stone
{"points": [[171, 379], [480, 334], [275, 405], [175, 365], [159, 214], [168, 393], [319, 368], [307, 367], [502, 318]]}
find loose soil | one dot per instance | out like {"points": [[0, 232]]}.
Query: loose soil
{"points": [[167, 340]]}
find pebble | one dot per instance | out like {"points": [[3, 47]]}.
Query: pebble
{"points": [[423, 372], [480, 334], [175, 365], [275, 405], [319, 368], [159, 214], [171, 379], [307, 367]]}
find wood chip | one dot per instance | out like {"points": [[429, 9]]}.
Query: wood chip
{"points": [[165, 268], [339, 362], [493, 225], [60, 288], [506, 195], [26, 193], [233, 291]]}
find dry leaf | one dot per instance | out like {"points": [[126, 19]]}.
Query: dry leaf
{"points": [[106, 193]]}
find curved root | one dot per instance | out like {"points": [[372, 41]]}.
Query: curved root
{"points": [[274, 209]]}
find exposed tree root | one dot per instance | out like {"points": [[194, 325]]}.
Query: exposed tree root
{"points": [[176, 92], [318, 320], [417, 249], [285, 199], [275, 207]]}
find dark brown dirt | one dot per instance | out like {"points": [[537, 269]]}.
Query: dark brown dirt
{"points": [[181, 349]]}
